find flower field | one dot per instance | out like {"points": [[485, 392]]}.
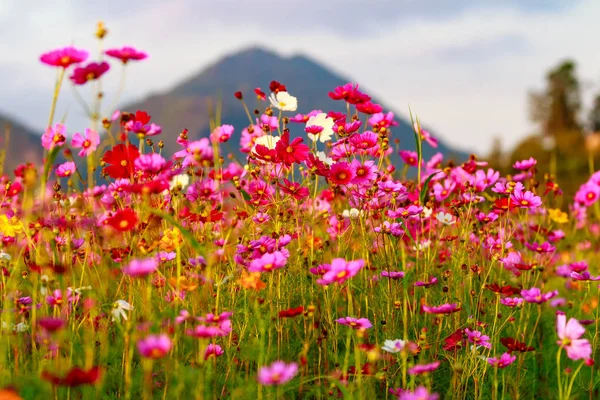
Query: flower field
{"points": [[311, 268]]}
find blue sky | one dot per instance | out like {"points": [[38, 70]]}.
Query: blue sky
{"points": [[464, 67]]}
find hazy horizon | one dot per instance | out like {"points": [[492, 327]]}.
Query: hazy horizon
{"points": [[464, 69]]}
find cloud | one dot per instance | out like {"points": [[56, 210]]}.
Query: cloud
{"points": [[465, 67]]}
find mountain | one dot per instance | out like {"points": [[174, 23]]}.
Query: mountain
{"points": [[24, 145], [187, 104]]}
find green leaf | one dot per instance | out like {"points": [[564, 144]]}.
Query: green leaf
{"points": [[425, 187]]}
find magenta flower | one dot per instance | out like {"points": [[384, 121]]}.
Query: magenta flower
{"points": [[525, 199], [126, 53], [432, 281], [534, 295], [504, 361], [570, 334], [525, 164], [268, 262], [151, 163], [420, 393], [512, 301], [443, 309], [221, 134], [423, 368], [64, 57], [213, 350], [478, 338], [54, 137], [409, 157], [87, 144], [90, 72], [355, 323], [277, 373], [142, 267], [341, 173], [154, 346], [340, 271], [66, 169], [393, 274], [584, 276]]}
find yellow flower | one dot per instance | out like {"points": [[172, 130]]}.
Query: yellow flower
{"points": [[171, 239], [558, 216], [10, 227]]}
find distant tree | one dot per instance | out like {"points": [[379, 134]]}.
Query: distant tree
{"points": [[594, 117], [556, 109], [496, 157]]}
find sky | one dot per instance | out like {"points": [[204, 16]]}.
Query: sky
{"points": [[464, 67]]}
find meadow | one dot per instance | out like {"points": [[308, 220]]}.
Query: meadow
{"points": [[313, 269]]}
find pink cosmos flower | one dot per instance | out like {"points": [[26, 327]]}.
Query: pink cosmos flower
{"points": [[354, 323], [512, 301], [90, 72], [364, 173], [534, 295], [213, 350], [443, 309], [277, 373], [441, 192], [64, 57], [142, 267], [154, 346], [340, 271], [125, 54], [87, 144], [364, 141], [54, 137], [65, 170], [432, 281], [525, 199], [151, 163], [393, 274], [268, 262], [584, 276], [570, 334], [478, 338], [588, 194], [525, 164], [402, 212], [423, 368], [420, 393], [409, 157], [341, 173], [381, 120], [221, 134], [503, 361]]}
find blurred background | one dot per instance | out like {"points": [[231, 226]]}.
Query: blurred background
{"points": [[505, 80]]}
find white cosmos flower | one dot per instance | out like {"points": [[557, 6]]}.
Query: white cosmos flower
{"points": [[180, 181], [283, 101], [326, 123], [423, 245], [444, 218], [20, 327], [394, 346], [427, 212], [323, 157], [5, 256], [352, 213], [119, 309]]}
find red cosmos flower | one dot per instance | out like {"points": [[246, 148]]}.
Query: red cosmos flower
{"points": [[291, 312], [265, 154], [152, 187], [120, 160], [502, 205], [369, 108], [90, 72], [554, 188], [503, 290], [64, 57], [341, 173], [454, 341], [13, 189], [290, 153], [298, 191], [123, 220], [126, 53], [349, 93], [514, 345], [260, 95], [75, 377], [277, 87]]}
